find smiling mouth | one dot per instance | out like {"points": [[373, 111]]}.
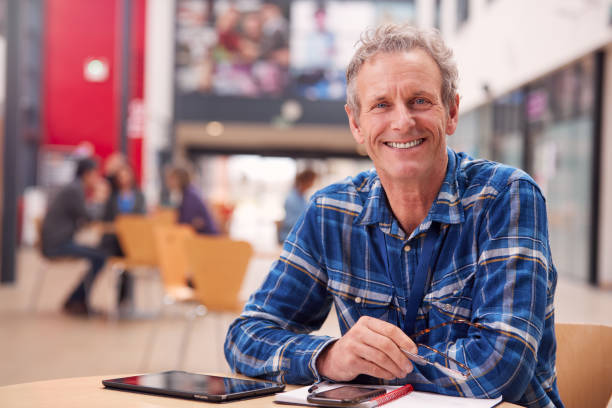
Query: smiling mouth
{"points": [[407, 145]]}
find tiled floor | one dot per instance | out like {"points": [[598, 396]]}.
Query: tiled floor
{"points": [[47, 344]]}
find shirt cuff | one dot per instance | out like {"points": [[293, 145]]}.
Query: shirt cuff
{"points": [[315, 357]]}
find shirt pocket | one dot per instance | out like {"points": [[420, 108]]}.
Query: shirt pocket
{"points": [[354, 300], [450, 296]]}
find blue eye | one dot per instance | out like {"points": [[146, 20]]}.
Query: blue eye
{"points": [[419, 103], [380, 105]]}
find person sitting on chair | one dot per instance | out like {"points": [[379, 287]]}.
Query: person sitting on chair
{"points": [[125, 198], [296, 202], [191, 208], [431, 252], [66, 213]]}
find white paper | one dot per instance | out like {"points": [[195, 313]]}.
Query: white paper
{"points": [[414, 399]]}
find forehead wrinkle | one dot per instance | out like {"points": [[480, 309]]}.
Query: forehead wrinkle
{"points": [[379, 95], [416, 69]]}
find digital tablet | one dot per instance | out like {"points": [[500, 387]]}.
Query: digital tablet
{"points": [[201, 387]]}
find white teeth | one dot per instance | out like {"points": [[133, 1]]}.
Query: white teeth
{"points": [[405, 145]]}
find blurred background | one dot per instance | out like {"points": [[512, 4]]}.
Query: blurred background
{"points": [[248, 94]]}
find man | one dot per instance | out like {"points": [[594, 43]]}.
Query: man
{"points": [[470, 235], [296, 202], [191, 207], [66, 213]]}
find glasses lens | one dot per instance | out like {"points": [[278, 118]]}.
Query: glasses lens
{"points": [[457, 375]]}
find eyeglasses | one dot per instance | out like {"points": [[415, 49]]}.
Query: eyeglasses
{"points": [[450, 372]]}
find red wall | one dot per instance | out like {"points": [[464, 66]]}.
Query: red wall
{"points": [[74, 109], [137, 84]]}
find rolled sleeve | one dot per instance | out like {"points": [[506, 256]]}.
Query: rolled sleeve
{"points": [[270, 339]]}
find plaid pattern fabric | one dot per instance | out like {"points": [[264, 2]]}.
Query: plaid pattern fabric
{"points": [[492, 266]]}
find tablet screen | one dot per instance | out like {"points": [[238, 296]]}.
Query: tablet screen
{"points": [[181, 383]]}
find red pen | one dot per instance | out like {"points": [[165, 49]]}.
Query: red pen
{"points": [[388, 397]]}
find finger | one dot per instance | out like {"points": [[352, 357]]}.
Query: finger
{"points": [[389, 339], [369, 368], [381, 359], [347, 358], [392, 332], [385, 353]]}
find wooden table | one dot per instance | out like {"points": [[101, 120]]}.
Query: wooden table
{"points": [[89, 392]]}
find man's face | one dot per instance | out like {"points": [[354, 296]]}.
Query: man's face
{"points": [[91, 178], [402, 121], [172, 182]]}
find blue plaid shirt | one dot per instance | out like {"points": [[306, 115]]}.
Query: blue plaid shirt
{"points": [[492, 265]]}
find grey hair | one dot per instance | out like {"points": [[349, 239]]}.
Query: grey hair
{"points": [[390, 38]]}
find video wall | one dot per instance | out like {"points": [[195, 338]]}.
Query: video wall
{"points": [[242, 60]]}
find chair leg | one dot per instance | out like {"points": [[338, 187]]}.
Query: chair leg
{"points": [[36, 290], [155, 283], [148, 350], [198, 311], [89, 281], [219, 336], [117, 270]]}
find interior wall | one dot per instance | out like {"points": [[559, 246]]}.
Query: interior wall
{"points": [[135, 114], [506, 43], [76, 109]]}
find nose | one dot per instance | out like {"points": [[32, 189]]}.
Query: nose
{"points": [[403, 120]]}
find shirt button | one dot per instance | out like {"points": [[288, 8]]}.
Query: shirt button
{"points": [[357, 299], [407, 248]]}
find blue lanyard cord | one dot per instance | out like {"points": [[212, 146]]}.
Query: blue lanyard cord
{"points": [[417, 289]]}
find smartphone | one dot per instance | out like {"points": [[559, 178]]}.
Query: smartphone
{"points": [[345, 395]]}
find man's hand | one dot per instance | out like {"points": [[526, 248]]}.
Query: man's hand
{"points": [[371, 347]]}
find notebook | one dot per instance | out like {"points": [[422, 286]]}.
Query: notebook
{"points": [[416, 399]]}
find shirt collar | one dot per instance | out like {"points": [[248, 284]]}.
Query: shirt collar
{"points": [[446, 209]]}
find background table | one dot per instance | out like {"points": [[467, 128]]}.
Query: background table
{"points": [[89, 392]]}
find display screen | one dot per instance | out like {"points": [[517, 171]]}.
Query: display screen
{"points": [[230, 53], [350, 393], [190, 383]]}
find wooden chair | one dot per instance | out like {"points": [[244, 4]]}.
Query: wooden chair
{"points": [[219, 265], [584, 364], [172, 261], [136, 237], [165, 216], [174, 270], [137, 240]]}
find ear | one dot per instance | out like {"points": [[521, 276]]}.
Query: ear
{"points": [[453, 116], [354, 125]]}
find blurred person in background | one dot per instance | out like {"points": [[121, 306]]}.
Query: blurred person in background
{"points": [[67, 212], [112, 164], [296, 202], [430, 253], [125, 198], [84, 150], [191, 207]]}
